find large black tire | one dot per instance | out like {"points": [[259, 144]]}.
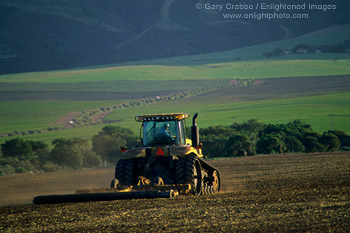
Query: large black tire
{"points": [[125, 172], [188, 171]]}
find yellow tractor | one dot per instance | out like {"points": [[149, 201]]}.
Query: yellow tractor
{"points": [[163, 164], [165, 157]]}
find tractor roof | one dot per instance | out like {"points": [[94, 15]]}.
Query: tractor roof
{"points": [[162, 117]]}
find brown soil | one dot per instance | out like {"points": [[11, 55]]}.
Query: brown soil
{"points": [[65, 120], [283, 88], [283, 193], [101, 116]]}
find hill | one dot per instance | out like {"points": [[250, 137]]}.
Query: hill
{"points": [[47, 34], [36, 102]]}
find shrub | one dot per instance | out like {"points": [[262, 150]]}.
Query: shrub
{"points": [[91, 160], [269, 144], [239, 145], [330, 142], [16, 147], [108, 142], [52, 167], [6, 170], [21, 170], [71, 152], [312, 143]]}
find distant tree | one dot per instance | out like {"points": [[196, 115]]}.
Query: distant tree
{"points": [[108, 142], [238, 145], [270, 144], [252, 136], [293, 144], [312, 143], [39, 148], [342, 136], [16, 148], [214, 139], [301, 46], [292, 134], [268, 54], [330, 142], [91, 159], [223, 131], [251, 128], [214, 145], [273, 129], [74, 153], [299, 128], [273, 53], [277, 51]]}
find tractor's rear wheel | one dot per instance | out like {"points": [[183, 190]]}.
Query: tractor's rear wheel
{"points": [[125, 172], [188, 171]]}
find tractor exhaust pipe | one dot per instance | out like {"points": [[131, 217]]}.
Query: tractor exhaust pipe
{"points": [[195, 131]]}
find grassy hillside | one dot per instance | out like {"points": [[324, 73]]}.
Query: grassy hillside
{"points": [[297, 66], [330, 35], [324, 112], [45, 34], [321, 108], [33, 115], [35, 101], [245, 62], [191, 67]]}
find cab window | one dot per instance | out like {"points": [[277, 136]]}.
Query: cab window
{"points": [[160, 132]]}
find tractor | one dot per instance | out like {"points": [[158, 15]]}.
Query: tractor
{"points": [[165, 157], [163, 164]]}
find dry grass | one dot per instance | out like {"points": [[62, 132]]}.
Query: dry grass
{"points": [[286, 193]]}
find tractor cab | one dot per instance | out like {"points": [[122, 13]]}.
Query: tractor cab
{"points": [[163, 129]]}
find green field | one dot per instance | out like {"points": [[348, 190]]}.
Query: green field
{"points": [[35, 101], [319, 111], [324, 112], [298, 66], [39, 115]]}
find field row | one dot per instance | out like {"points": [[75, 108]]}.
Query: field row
{"points": [[324, 112], [99, 90], [258, 69]]}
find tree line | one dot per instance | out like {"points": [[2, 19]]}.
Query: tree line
{"points": [[19, 155], [253, 137], [334, 48], [239, 139]]}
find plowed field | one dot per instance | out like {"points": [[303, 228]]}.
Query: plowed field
{"points": [[283, 193]]}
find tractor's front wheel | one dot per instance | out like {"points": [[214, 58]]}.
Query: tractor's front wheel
{"points": [[216, 181]]}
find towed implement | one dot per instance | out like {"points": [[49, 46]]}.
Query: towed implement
{"points": [[164, 164]]}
